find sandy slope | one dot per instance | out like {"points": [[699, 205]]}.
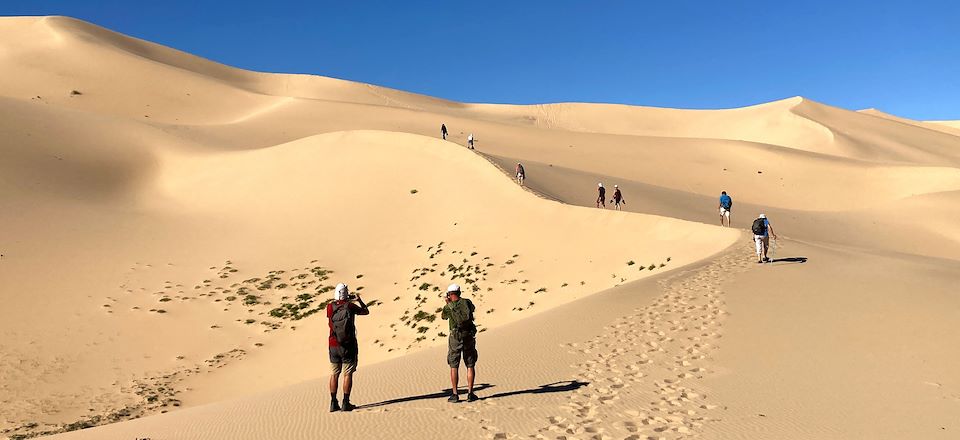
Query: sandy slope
{"points": [[159, 213]]}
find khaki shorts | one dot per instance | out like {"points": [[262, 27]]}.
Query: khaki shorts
{"points": [[343, 360], [345, 368], [462, 345]]}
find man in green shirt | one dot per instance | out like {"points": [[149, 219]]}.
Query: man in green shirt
{"points": [[462, 341]]}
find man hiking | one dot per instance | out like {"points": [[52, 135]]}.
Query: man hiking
{"points": [[618, 197], [461, 342], [762, 230], [443, 131], [725, 204], [601, 195], [470, 141], [343, 343], [521, 174]]}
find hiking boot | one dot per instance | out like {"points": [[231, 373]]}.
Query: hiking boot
{"points": [[347, 406], [766, 259], [334, 406], [472, 397], [453, 398]]}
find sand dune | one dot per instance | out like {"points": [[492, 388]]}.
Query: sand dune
{"points": [[174, 223]]}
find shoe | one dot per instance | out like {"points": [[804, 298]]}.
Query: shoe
{"points": [[453, 398], [334, 406], [472, 397], [759, 261], [766, 259], [347, 406]]}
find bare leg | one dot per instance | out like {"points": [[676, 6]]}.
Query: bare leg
{"points": [[455, 380], [766, 246], [333, 383], [347, 382], [471, 373]]}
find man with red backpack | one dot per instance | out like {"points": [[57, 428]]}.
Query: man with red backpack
{"points": [[462, 341], [343, 343]]}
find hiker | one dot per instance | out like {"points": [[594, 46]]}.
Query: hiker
{"points": [[470, 141], [343, 343], [725, 204], [521, 174], [762, 230], [618, 198], [462, 341], [443, 131], [601, 195]]}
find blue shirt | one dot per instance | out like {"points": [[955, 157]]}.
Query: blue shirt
{"points": [[726, 201]]}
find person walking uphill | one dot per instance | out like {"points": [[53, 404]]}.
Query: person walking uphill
{"points": [[601, 195], [470, 141], [618, 198], [443, 131], [762, 230], [343, 343], [521, 174], [462, 341], [726, 203]]}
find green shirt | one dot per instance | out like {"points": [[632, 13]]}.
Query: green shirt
{"points": [[445, 314]]}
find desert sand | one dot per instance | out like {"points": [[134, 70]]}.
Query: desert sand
{"points": [[173, 224]]}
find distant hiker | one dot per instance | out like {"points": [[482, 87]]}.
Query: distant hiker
{"points": [[725, 204], [443, 131], [521, 174], [762, 230], [461, 342], [618, 198], [343, 343], [470, 141], [601, 195]]}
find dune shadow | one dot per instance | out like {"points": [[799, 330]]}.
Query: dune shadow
{"points": [[556, 387], [789, 260]]}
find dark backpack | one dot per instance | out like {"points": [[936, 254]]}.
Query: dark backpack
{"points": [[759, 226], [461, 316], [342, 328]]}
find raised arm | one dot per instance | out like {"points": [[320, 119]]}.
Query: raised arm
{"points": [[364, 310]]}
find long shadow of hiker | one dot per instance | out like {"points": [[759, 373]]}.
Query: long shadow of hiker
{"points": [[789, 260], [556, 387], [440, 394]]}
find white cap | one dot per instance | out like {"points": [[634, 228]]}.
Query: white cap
{"points": [[615, 186], [453, 288], [600, 184], [763, 216], [341, 292]]}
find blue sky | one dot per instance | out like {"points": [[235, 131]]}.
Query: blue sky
{"points": [[901, 57]]}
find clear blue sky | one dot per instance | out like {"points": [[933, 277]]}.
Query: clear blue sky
{"points": [[902, 57]]}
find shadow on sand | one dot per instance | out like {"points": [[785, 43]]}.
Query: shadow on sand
{"points": [[789, 260], [556, 387]]}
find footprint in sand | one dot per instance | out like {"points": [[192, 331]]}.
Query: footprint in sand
{"points": [[656, 351]]}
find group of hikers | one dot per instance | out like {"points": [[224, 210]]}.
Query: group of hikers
{"points": [[344, 347], [761, 227], [617, 200], [444, 133]]}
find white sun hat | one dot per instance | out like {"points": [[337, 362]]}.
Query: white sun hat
{"points": [[453, 288], [341, 292]]}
